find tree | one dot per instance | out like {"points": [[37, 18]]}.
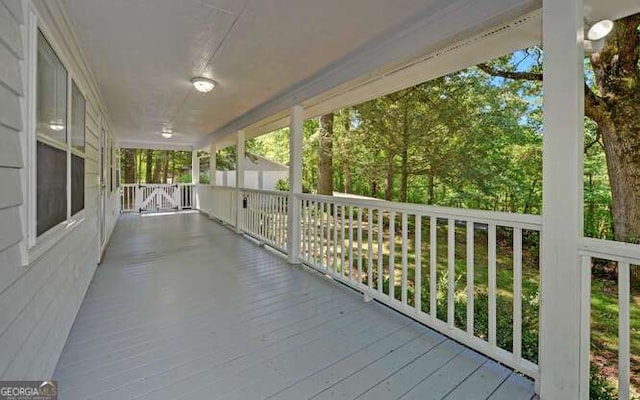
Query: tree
{"points": [[128, 165], [149, 167], [612, 101], [325, 155]]}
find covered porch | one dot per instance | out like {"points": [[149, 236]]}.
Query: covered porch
{"points": [[183, 308], [228, 292]]}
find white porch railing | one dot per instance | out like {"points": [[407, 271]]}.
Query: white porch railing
{"points": [[350, 240], [156, 197], [425, 262], [376, 247], [224, 204], [264, 216], [625, 256]]}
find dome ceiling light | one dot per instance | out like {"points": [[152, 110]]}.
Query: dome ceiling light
{"points": [[166, 133], [204, 85]]}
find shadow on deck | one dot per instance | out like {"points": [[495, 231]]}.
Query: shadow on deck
{"points": [[183, 308]]}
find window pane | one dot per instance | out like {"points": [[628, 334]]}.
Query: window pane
{"points": [[78, 109], [77, 184], [52, 93], [51, 187]]}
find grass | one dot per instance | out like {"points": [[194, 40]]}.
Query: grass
{"points": [[604, 288]]}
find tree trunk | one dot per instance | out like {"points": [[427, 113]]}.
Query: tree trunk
{"points": [[157, 167], [347, 165], [148, 178], [129, 165], [388, 193], [165, 169], [616, 110], [404, 170], [622, 149], [347, 178], [325, 155], [431, 189]]}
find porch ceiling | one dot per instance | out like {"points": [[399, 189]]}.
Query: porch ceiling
{"points": [[265, 55]]}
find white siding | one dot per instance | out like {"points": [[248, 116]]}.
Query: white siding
{"points": [[38, 302]]}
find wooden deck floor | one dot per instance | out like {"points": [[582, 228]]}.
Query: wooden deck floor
{"points": [[183, 308]]}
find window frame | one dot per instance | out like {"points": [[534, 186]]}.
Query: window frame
{"points": [[35, 245]]}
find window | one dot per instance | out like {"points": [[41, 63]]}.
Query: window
{"points": [[60, 141], [77, 134]]}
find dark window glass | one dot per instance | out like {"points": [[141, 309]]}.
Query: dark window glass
{"points": [[52, 93], [52, 187], [77, 184], [78, 110]]}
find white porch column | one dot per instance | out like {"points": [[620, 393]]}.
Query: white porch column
{"points": [[562, 199], [295, 184], [213, 150], [195, 167], [239, 178]]}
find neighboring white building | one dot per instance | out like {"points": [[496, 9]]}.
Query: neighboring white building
{"points": [[260, 173]]}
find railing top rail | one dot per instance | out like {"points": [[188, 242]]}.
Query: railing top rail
{"points": [[526, 221], [611, 250], [269, 192], [221, 187]]}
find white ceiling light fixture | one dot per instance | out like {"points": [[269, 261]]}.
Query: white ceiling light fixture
{"points": [[599, 30], [56, 127], [204, 85], [166, 132]]}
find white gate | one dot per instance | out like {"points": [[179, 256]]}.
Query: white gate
{"points": [[159, 198], [156, 197]]}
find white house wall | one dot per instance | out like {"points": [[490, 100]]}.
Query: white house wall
{"points": [[40, 295]]}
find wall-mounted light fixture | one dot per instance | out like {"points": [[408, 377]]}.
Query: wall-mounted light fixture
{"points": [[595, 32]]}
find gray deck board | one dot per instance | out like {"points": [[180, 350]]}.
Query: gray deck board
{"points": [[183, 308]]}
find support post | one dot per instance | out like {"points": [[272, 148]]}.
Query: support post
{"points": [[562, 167], [240, 143], [213, 169], [295, 184], [195, 167]]}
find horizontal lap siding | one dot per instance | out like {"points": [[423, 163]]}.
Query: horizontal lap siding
{"points": [[39, 302]]}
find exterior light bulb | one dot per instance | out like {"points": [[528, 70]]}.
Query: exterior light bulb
{"points": [[167, 135], [598, 30], [56, 127], [203, 85]]}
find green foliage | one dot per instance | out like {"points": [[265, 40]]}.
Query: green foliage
{"points": [[283, 185], [184, 178], [599, 387], [204, 178]]}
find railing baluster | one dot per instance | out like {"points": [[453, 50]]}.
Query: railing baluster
{"points": [[359, 239], [343, 272], [585, 326], [380, 267], [517, 293], [433, 276], [308, 233], [405, 258], [322, 233], [492, 284], [315, 232], [417, 278], [470, 277], [451, 271], [624, 328], [350, 227], [370, 248], [392, 254], [303, 217]]}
